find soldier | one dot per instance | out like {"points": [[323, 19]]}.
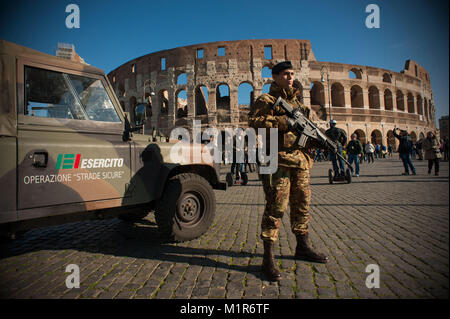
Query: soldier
{"points": [[290, 184], [338, 136]]}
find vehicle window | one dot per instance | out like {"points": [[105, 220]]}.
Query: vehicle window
{"points": [[47, 94], [59, 95], [94, 98]]}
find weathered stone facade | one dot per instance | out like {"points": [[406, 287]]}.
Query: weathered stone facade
{"points": [[367, 100]]}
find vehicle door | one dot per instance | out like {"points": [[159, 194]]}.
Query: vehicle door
{"points": [[71, 155]]}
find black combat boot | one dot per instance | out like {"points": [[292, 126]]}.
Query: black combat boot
{"points": [[304, 252], [268, 266]]}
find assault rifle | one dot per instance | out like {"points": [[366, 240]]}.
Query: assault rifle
{"points": [[306, 130]]}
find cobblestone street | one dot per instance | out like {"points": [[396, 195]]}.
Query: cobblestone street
{"points": [[399, 223]]}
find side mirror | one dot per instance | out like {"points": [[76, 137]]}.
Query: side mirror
{"points": [[126, 136]]}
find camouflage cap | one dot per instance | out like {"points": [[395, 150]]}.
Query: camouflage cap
{"points": [[281, 67]]}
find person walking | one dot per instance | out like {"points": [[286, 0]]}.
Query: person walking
{"points": [[404, 149], [430, 146], [377, 151], [338, 136], [383, 150], [370, 149], [390, 150], [363, 157], [354, 149], [290, 184]]}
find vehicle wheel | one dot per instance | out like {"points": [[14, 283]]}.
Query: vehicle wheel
{"points": [[330, 176], [186, 209], [244, 178], [348, 176], [133, 217], [230, 179]]}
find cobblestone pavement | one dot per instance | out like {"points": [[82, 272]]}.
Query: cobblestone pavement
{"points": [[399, 223]]}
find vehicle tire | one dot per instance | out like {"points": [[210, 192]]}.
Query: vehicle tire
{"points": [[133, 217], [348, 176], [330, 176], [186, 209]]}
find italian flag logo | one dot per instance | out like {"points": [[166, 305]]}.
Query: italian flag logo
{"points": [[68, 161]]}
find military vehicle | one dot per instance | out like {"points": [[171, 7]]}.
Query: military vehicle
{"points": [[68, 152]]}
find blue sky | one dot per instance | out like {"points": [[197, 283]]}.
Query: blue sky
{"points": [[113, 32]]}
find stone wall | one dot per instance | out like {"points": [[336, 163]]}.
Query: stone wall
{"points": [[368, 100]]}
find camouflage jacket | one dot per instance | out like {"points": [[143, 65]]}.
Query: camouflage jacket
{"points": [[262, 115]]}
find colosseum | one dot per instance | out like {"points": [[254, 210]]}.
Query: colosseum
{"points": [[217, 82]]}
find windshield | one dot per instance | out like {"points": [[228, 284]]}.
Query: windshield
{"points": [[60, 95]]}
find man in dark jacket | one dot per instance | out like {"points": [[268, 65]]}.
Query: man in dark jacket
{"points": [[404, 150], [338, 136], [354, 148]]}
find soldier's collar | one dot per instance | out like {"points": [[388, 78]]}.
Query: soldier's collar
{"points": [[289, 93]]}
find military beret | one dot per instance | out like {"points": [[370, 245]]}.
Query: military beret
{"points": [[281, 67]]}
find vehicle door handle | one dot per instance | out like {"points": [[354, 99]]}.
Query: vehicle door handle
{"points": [[40, 159]]}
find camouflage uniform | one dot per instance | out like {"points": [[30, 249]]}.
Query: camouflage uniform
{"points": [[290, 184]]}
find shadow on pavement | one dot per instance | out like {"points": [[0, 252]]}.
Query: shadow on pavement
{"points": [[126, 239]]}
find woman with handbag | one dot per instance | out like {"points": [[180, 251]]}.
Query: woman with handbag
{"points": [[431, 146]]}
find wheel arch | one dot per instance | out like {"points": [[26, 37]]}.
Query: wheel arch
{"points": [[207, 172]]}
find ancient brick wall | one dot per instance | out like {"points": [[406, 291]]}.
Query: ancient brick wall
{"points": [[366, 99]]}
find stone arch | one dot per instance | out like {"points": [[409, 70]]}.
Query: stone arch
{"points": [[317, 93], [413, 136], [390, 138], [400, 100], [266, 88], [337, 95], [425, 107], [223, 103], [201, 102], [388, 102], [376, 137], [266, 72], [374, 97], [430, 109], [245, 100], [419, 104], [181, 103], [163, 97], [410, 100], [421, 136], [182, 79], [355, 73], [132, 106], [356, 95], [245, 93], [121, 89], [360, 135], [387, 78]]}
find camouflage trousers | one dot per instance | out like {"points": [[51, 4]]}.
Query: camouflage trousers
{"points": [[287, 186]]}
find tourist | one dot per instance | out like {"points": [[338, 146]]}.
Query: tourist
{"points": [[432, 152], [404, 150], [354, 149], [370, 149]]}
